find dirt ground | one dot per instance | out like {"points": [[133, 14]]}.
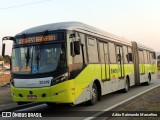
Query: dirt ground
{"points": [[147, 102], [5, 95], [4, 79]]}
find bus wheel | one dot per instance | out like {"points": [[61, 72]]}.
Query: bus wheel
{"points": [[126, 88], [94, 95], [149, 80]]}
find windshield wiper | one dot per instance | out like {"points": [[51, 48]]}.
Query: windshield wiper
{"points": [[38, 57]]}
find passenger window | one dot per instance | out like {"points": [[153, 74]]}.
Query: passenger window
{"points": [[106, 53], [130, 52], [101, 51], [145, 57], [92, 50], [112, 52], [125, 51], [141, 57]]}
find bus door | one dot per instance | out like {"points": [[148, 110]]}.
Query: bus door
{"points": [[120, 62], [104, 59]]}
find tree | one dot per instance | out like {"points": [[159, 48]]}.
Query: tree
{"points": [[6, 58], [1, 58]]}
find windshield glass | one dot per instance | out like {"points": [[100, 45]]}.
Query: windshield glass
{"points": [[38, 59]]}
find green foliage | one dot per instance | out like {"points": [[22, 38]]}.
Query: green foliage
{"points": [[6, 58], [1, 58]]}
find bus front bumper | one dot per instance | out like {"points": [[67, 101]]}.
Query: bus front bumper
{"points": [[60, 93]]}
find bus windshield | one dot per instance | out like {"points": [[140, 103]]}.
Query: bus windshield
{"points": [[40, 58]]}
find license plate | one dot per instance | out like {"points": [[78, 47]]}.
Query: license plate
{"points": [[32, 97]]}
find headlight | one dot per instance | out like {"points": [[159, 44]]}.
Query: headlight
{"points": [[59, 79]]}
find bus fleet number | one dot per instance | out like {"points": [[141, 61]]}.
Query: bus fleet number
{"points": [[44, 82]]}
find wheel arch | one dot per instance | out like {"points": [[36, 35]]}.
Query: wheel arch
{"points": [[98, 84]]}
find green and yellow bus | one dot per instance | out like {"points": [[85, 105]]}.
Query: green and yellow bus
{"points": [[71, 62]]}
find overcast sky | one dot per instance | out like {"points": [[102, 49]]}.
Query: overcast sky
{"points": [[136, 20]]}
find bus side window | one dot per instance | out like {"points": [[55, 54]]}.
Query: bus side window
{"points": [[151, 57], [130, 57], [141, 57], [125, 51], [154, 57], [92, 50], [112, 52], [145, 57], [83, 42], [78, 57], [101, 52], [148, 56], [106, 53]]}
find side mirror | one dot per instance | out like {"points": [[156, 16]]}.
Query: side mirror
{"points": [[4, 45], [76, 47], [130, 57]]}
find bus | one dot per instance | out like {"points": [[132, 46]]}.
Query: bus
{"points": [[71, 62]]}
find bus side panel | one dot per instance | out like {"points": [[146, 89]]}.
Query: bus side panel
{"points": [[144, 74], [84, 81], [63, 92]]}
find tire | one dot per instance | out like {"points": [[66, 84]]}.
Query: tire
{"points": [[149, 80], [126, 89], [94, 95]]}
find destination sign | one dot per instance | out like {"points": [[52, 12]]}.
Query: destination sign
{"points": [[37, 39]]}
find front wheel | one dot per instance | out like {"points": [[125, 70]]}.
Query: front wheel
{"points": [[94, 95]]}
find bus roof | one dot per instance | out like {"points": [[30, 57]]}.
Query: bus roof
{"points": [[84, 28], [144, 47], [77, 26]]}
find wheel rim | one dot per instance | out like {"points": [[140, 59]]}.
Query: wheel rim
{"points": [[94, 94]]}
